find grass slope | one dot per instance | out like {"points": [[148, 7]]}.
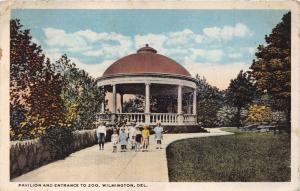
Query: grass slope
{"points": [[245, 157]]}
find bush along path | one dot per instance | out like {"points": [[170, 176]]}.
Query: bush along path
{"points": [[92, 164]]}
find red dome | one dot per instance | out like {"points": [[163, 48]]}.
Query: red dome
{"points": [[145, 61]]}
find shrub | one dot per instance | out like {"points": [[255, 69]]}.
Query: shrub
{"points": [[227, 116], [278, 116], [58, 140], [259, 114]]}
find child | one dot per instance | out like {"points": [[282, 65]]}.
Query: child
{"points": [[125, 128], [115, 140], [132, 134], [158, 135], [138, 139], [127, 134], [145, 135], [101, 134], [123, 140]]}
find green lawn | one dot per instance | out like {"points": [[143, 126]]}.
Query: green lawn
{"points": [[245, 157]]}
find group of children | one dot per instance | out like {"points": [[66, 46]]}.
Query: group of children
{"points": [[132, 137]]}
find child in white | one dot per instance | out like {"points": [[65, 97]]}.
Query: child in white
{"points": [[115, 140], [158, 135], [101, 134], [132, 134]]}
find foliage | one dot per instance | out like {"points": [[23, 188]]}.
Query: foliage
{"points": [[34, 86], [17, 115], [207, 112], [259, 114], [58, 140], [278, 117], [81, 96], [161, 103], [45, 94], [207, 91], [272, 68], [44, 99], [209, 101], [240, 93], [226, 116], [243, 157], [134, 105], [158, 104], [26, 60]]}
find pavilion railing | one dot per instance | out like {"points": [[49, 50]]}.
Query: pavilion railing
{"points": [[189, 119], [139, 118], [164, 118], [136, 117], [104, 117]]}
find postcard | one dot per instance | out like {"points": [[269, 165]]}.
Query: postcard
{"points": [[140, 95]]}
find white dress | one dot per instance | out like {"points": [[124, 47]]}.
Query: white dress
{"points": [[132, 134], [114, 139]]}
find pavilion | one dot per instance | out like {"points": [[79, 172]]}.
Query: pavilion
{"points": [[149, 74]]}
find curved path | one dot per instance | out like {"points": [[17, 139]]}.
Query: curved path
{"points": [[94, 165]]}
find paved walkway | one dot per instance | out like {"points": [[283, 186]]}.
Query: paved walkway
{"points": [[94, 165]]}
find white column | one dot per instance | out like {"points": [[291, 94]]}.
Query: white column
{"points": [[195, 102], [147, 103], [103, 107], [179, 106], [114, 100], [147, 98], [121, 100], [189, 104], [179, 100]]}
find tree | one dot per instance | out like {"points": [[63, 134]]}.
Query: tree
{"points": [[207, 112], [163, 103], [135, 105], [209, 101], [240, 93], [26, 62], [272, 68], [81, 95], [89, 103], [205, 90], [34, 86], [44, 99], [17, 116]]}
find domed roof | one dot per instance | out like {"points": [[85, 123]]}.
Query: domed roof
{"points": [[146, 61]]}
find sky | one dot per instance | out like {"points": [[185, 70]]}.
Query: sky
{"points": [[216, 44]]}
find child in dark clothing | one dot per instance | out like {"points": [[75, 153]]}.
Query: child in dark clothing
{"points": [[138, 140]]}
